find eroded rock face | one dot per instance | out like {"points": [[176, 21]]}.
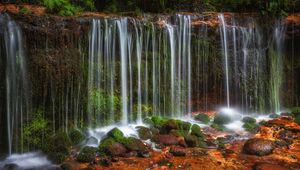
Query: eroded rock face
{"points": [[258, 146]]}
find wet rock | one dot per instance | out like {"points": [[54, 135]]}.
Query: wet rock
{"points": [[274, 116], [221, 119], [11, 166], [268, 166], [203, 118], [105, 143], [168, 126], [167, 139], [182, 142], [133, 144], [145, 154], [91, 141], [251, 127], [196, 130], [248, 119], [116, 149], [87, 154], [177, 151], [131, 154], [192, 140], [76, 136], [104, 162], [258, 146], [217, 127], [144, 132], [158, 121]]}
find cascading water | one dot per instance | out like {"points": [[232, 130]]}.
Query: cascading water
{"points": [[17, 96]]}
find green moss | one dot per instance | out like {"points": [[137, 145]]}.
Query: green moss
{"points": [[196, 130], [249, 120], [274, 116], [87, 154], [203, 118], [116, 134], [133, 144], [178, 133], [105, 143], [218, 127], [221, 119], [297, 119], [251, 127], [183, 125], [76, 136], [158, 121], [57, 147], [295, 110]]}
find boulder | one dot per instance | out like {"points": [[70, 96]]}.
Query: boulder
{"points": [[116, 134], [144, 132], [116, 149], [191, 140], [76, 136], [196, 130], [221, 119], [203, 118], [133, 144], [177, 151], [248, 119], [258, 146], [87, 154], [167, 139]]}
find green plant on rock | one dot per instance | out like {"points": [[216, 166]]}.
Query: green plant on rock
{"points": [[203, 118], [36, 129], [87, 154]]}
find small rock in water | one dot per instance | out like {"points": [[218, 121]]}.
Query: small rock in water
{"points": [[11, 166], [177, 151], [258, 146]]}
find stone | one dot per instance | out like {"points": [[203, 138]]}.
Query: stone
{"points": [[177, 151], [87, 154], [258, 146], [167, 139], [76, 136], [116, 134], [248, 119], [221, 119], [191, 140], [203, 118], [91, 141], [116, 149], [196, 130], [268, 166], [144, 132], [274, 116], [133, 144]]}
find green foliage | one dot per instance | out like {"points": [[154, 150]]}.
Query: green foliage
{"points": [[87, 154], [158, 121], [68, 7], [297, 119], [76, 136], [202, 118], [35, 130], [295, 111]]}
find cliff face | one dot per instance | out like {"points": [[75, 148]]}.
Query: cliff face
{"points": [[57, 51]]}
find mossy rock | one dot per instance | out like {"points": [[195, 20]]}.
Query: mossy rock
{"points": [[196, 130], [251, 127], [158, 121], [57, 147], [194, 141], [182, 125], [274, 116], [148, 121], [76, 136], [218, 127], [169, 125], [203, 118], [144, 132], [87, 154], [116, 134], [133, 144], [249, 120], [221, 119], [178, 133], [105, 143], [297, 119]]}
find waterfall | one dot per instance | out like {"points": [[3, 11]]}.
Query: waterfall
{"points": [[17, 94]]}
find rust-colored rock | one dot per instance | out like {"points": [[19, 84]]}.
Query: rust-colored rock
{"points": [[258, 146]]}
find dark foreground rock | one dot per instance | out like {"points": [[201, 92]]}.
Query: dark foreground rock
{"points": [[258, 146]]}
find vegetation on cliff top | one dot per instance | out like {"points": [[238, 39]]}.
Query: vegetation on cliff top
{"points": [[72, 7]]}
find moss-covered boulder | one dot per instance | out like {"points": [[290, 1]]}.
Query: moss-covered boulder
{"points": [[196, 130], [144, 132], [203, 118], [194, 141], [87, 154], [178, 133], [182, 125], [116, 149], [221, 119], [158, 121], [57, 147], [76, 136], [105, 143], [168, 125], [218, 127], [133, 144], [116, 134], [249, 120]]}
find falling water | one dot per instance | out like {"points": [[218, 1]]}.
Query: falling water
{"points": [[17, 97]]}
